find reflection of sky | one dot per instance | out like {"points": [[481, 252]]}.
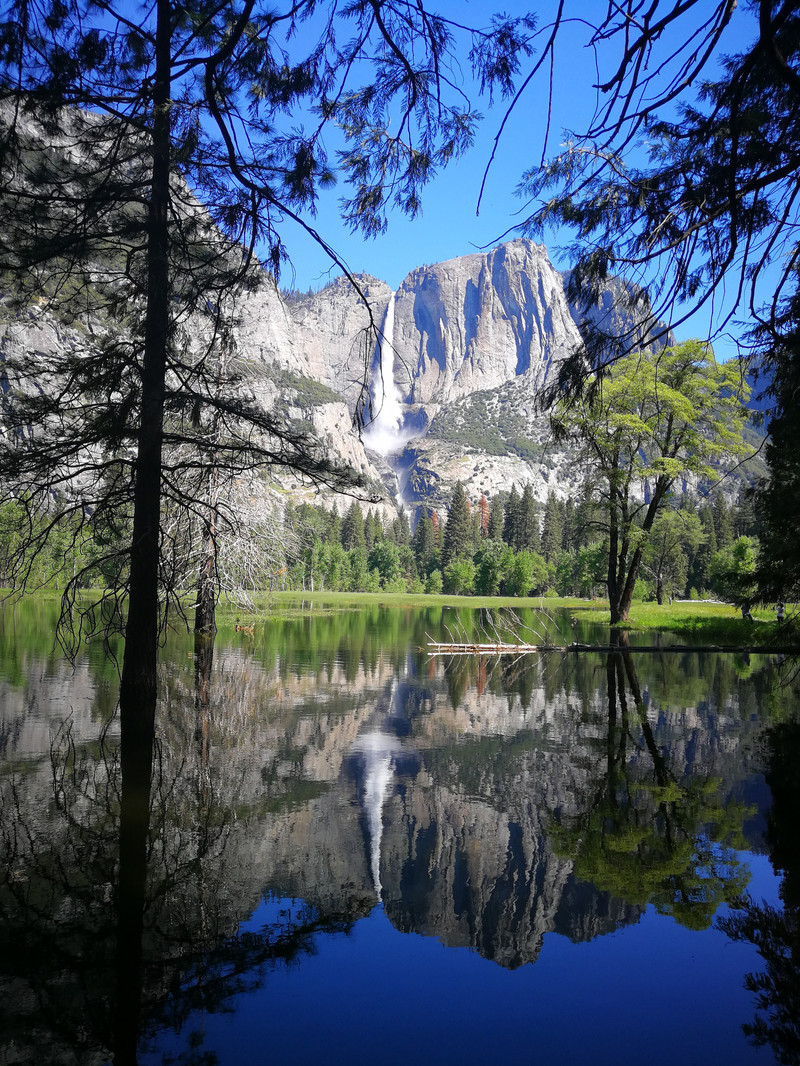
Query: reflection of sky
{"points": [[377, 995]]}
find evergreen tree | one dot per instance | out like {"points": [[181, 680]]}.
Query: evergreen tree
{"points": [[457, 539], [373, 531], [569, 534], [424, 542], [496, 517], [552, 528], [353, 528], [528, 534], [511, 520], [401, 533], [723, 523], [333, 526], [437, 532]]}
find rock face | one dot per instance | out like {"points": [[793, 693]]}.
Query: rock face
{"points": [[479, 321], [470, 344]]}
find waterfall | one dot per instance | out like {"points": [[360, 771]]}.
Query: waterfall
{"points": [[384, 433]]}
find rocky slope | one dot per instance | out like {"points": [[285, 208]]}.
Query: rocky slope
{"points": [[453, 361], [445, 372]]}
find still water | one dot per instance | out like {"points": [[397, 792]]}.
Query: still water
{"points": [[357, 853]]}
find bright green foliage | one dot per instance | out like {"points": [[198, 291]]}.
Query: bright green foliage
{"points": [[654, 418], [674, 539], [732, 570], [459, 576], [528, 574], [493, 562]]}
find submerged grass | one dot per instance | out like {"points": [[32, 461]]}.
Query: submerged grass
{"points": [[705, 621]]}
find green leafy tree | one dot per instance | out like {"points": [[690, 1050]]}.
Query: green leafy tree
{"points": [[527, 575], [385, 558], [732, 571], [675, 537], [459, 576], [493, 562], [652, 420]]}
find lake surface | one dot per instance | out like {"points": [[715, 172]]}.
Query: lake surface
{"points": [[357, 853]]}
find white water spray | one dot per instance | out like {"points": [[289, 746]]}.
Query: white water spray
{"points": [[384, 434]]}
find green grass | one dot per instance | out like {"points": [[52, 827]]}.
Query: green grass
{"points": [[705, 622], [702, 621]]}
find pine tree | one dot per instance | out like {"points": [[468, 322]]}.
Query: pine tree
{"points": [[529, 536], [423, 543], [511, 519], [353, 528], [457, 539], [723, 523], [373, 531], [496, 516], [552, 528]]}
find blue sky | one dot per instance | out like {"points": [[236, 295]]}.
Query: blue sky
{"points": [[449, 225]]}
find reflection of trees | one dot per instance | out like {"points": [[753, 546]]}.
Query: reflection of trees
{"points": [[118, 910], [652, 836], [775, 932]]}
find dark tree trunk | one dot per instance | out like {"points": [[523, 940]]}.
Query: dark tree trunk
{"points": [[137, 696], [138, 684]]}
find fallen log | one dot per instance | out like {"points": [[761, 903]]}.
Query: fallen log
{"points": [[444, 648]]}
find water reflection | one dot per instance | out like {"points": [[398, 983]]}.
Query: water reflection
{"points": [[775, 931], [326, 765]]}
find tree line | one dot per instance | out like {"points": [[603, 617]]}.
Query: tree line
{"points": [[514, 545]]}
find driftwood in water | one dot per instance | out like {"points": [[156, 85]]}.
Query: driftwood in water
{"points": [[442, 648]]}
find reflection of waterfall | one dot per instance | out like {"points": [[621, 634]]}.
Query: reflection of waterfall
{"points": [[384, 433], [377, 750]]}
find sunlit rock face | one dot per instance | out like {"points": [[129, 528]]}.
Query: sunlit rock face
{"points": [[480, 320]]}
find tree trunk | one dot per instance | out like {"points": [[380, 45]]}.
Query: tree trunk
{"points": [[138, 684], [613, 548], [137, 697], [205, 611]]}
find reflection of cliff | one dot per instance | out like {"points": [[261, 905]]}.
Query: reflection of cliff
{"points": [[379, 777], [465, 873]]}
